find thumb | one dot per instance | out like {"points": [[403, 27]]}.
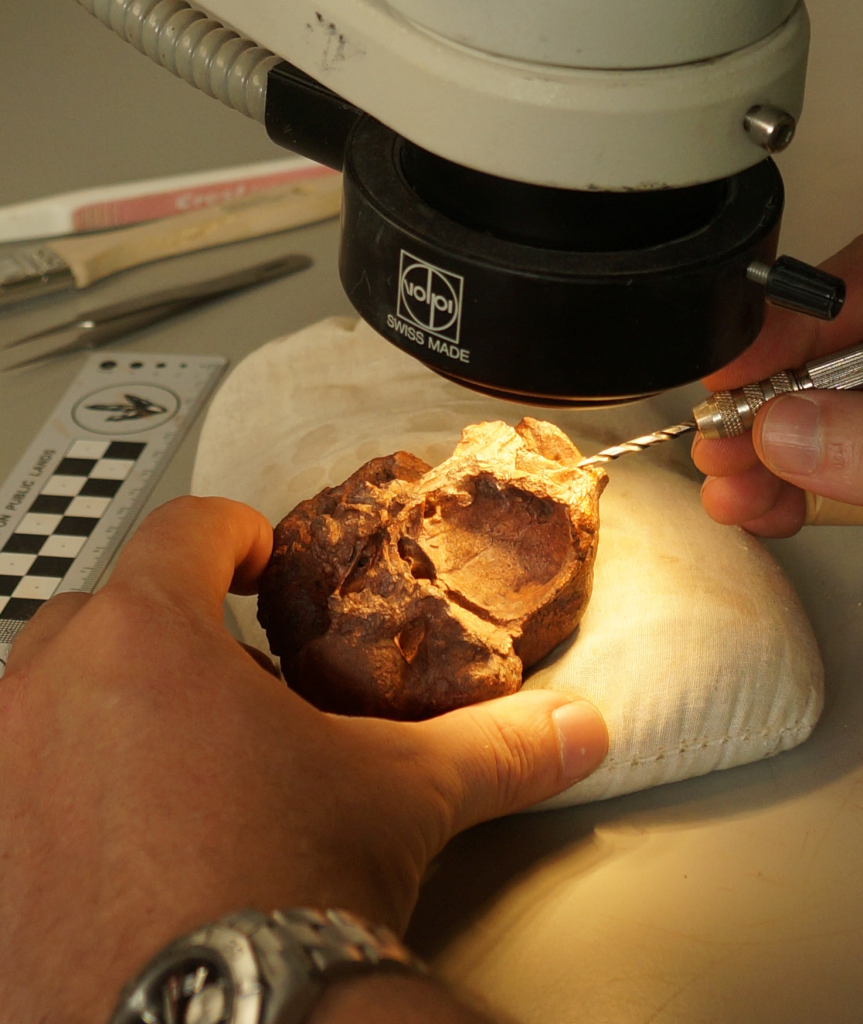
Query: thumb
{"points": [[503, 755], [815, 441]]}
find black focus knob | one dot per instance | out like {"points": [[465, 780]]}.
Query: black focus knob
{"points": [[797, 285]]}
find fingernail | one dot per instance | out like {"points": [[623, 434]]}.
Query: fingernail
{"points": [[790, 436], [582, 738]]}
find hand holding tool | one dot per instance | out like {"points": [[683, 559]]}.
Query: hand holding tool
{"points": [[731, 413]]}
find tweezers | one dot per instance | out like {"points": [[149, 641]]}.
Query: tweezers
{"points": [[98, 326]]}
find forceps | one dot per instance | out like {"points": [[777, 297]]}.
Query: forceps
{"points": [[105, 323]]}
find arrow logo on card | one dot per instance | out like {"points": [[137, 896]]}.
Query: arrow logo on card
{"points": [[134, 408]]}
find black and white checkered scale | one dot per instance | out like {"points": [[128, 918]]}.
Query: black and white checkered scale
{"points": [[54, 529]]}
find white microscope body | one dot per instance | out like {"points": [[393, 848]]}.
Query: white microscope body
{"points": [[584, 94]]}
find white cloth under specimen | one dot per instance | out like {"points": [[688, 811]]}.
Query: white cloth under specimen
{"points": [[694, 647]]}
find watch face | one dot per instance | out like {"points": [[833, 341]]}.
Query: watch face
{"points": [[197, 990], [211, 976]]}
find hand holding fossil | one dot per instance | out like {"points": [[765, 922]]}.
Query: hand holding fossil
{"points": [[408, 591]]}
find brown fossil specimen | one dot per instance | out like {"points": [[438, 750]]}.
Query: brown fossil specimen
{"points": [[408, 591]]}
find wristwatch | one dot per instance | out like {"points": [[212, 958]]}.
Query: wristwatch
{"points": [[250, 968]]}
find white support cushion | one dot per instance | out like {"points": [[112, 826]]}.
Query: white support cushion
{"points": [[694, 647]]}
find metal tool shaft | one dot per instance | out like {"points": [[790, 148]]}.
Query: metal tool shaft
{"points": [[729, 413], [638, 444], [105, 323]]}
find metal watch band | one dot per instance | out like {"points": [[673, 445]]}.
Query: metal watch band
{"points": [[337, 941], [250, 968]]}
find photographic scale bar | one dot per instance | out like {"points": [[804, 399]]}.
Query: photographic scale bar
{"points": [[73, 497]]}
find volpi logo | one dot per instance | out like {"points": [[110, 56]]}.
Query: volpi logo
{"points": [[430, 297]]}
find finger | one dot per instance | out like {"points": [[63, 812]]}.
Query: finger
{"points": [[815, 441], [789, 339], [43, 627], [503, 755], [734, 500], [192, 550], [784, 519], [727, 457]]}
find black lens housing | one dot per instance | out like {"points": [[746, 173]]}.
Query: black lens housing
{"points": [[542, 317], [545, 295], [558, 218]]}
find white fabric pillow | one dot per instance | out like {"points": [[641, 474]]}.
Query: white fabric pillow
{"points": [[694, 646]]}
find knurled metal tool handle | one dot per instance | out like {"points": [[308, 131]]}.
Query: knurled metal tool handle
{"points": [[729, 413]]}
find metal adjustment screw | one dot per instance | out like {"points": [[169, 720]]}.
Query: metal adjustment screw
{"points": [[769, 127], [758, 272]]}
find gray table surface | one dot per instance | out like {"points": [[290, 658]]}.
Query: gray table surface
{"points": [[732, 898]]}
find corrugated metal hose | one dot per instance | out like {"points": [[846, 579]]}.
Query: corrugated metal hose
{"points": [[198, 49]]}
